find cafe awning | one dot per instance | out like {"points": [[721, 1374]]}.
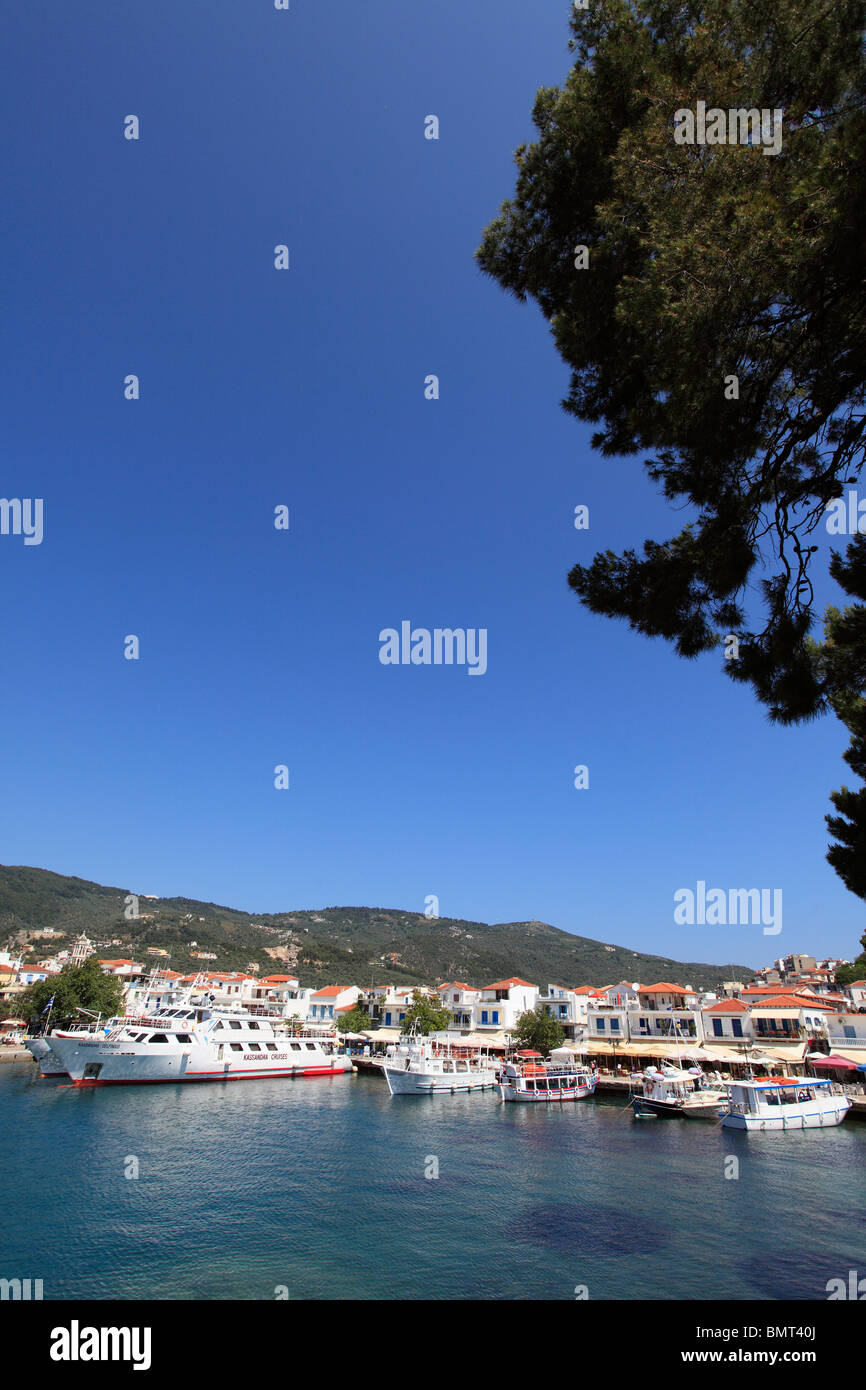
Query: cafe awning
{"points": [[497, 1040], [719, 1052], [843, 1060]]}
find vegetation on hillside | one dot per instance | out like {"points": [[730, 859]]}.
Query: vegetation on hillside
{"points": [[335, 945]]}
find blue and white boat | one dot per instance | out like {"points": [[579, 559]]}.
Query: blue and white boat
{"points": [[786, 1102]]}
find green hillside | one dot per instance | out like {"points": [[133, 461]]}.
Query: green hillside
{"points": [[341, 945]]}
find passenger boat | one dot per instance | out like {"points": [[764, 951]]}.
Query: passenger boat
{"points": [[673, 1091], [526, 1077], [205, 1043], [427, 1065], [786, 1102]]}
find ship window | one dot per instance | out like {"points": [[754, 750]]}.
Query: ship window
{"points": [[311, 1047], [216, 1027], [233, 1023], [296, 1047], [255, 1047], [252, 1025], [184, 1037], [272, 1047], [236, 1047], [159, 1037]]}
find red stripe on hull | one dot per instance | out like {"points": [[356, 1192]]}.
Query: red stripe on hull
{"points": [[211, 1076]]}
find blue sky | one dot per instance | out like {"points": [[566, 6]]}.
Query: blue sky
{"points": [[306, 388]]}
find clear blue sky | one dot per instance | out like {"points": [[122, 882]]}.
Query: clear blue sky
{"points": [[306, 388]]}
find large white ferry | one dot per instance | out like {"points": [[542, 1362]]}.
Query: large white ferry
{"points": [[422, 1066], [786, 1102], [526, 1077], [193, 1044]]}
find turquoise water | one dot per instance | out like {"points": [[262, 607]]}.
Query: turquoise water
{"points": [[318, 1187]]}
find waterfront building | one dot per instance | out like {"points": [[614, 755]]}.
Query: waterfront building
{"points": [[846, 1035], [567, 1008], [461, 1001], [857, 991], [325, 1004], [501, 1004]]}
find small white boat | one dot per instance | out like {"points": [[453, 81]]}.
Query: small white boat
{"points": [[675, 1092], [526, 1077], [423, 1066], [786, 1102]]}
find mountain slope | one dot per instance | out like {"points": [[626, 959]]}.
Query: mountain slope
{"points": [[341, 945]]}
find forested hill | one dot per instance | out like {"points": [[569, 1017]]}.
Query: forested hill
{"points": [[339, 945]]}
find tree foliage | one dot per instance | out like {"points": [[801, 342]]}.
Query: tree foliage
{"points": [[76, 987], [708, 262], [841, 660], [355, 1021], [537, 1030], [426, 1016]]}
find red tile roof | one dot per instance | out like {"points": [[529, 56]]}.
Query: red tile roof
{"points": [[727, 1006], [664, 988], [790, 1001], [506, 984], [329, 992]]}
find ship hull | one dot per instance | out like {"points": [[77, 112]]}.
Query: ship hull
{"points": [[806, 1119], [107, 1064], [642, 1105], [411, 1083], [512, 1093]]}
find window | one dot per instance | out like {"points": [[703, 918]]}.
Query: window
{"points": [[296, 1047], [237, 1047], [717, 1028], [158, 1037], [483, 1015], [737, 1027], [311, 1047], [233, 1023], [252, 1026], [495, 1015], [614, 1025], [600, 1024], [217, 1027], [272, 1047], [850, 1031], [255, 1047], [184, 1038]]}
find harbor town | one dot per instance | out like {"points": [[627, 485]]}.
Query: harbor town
{"points": [[666, 1044]]}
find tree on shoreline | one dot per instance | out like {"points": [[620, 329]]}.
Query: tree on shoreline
{"points": [[536, 1030], [355, 1021], [426, 1016], [76, 987], [710, 301]]}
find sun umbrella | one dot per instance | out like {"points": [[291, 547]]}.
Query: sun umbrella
{"points": [[835, 1061]]}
